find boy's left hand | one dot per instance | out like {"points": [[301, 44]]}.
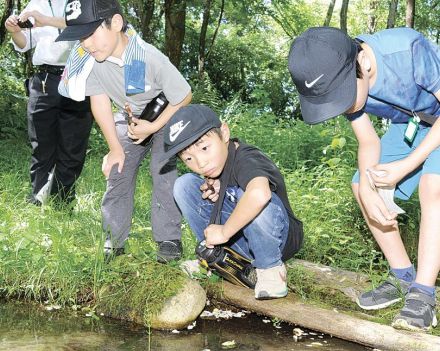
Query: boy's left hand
{"points": [[214, 235], [139, 130], [389, 174]]}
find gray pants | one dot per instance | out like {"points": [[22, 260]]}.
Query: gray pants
{"points": [[117, 204]]}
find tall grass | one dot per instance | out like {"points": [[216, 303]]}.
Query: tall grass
{"points": [[55, 255]]}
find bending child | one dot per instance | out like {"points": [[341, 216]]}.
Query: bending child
{"points": [[111, 63], [392, 74], [256, 219]]}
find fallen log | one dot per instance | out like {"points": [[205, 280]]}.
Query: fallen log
{"points": [[338, 324]]}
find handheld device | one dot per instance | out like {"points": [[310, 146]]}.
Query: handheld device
{"points": [[151, 111], [228, 264], [25, 24]]}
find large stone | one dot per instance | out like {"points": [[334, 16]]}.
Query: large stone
{"points": [[182, 309]]}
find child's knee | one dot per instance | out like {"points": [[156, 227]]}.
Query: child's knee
{"points": [[187, 183], [429, 188]]}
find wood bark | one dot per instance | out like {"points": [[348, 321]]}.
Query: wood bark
{"points": [[343, 15], [9, 4], [392, 13], [410, 13], [203, 52], [145, 11], [329, 15], [333, 322], [372, 19], [353, 326], [175, 15], [202, 37]]}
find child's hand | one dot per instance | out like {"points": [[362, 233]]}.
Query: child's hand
{"points": [[139, 130], [214, 235], [389, 174], [111, 159], [375, 208], [210, 189]]}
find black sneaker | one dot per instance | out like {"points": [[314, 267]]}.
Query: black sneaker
{"points": [[418, 313], [111, 253], [169, 250]]}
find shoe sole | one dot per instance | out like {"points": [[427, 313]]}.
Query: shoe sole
{"points": [[402, 324], [379, 306], [271, 297]]}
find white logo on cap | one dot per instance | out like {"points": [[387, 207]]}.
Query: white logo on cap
{"points": [[176, 129], [311, 84], [75, 8]]}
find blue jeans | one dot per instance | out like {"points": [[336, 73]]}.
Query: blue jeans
{"points": [[261, 241]]}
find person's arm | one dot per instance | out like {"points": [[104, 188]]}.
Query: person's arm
{"points": [[16, 32], [142, 129], [102, 111], [255, 198], [43, 20], [369, 156], [395, 171]]}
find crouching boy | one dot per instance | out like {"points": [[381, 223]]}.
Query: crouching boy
{"points": [[241, 187]]}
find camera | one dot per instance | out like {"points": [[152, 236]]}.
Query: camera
{"points": [[227, 263], [25, 24]]}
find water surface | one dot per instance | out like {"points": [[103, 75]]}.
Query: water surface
{"points": [[26, 327]]}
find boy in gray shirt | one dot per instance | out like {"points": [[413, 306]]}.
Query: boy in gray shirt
{"points": [[111, 63]]}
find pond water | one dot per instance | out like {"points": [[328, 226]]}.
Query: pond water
{"points": [[26, 327]]}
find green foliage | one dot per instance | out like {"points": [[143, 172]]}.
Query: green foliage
{"points": [[55, 255], [12, 102]]}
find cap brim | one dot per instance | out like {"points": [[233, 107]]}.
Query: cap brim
{"points": [[78, 31], [318, 109], [179, 147]]}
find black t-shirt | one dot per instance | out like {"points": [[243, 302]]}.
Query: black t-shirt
{"points": [[250, 163]]}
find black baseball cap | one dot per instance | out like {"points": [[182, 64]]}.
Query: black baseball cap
{"points": [[186, 126], [83, 17], [322, 63]]}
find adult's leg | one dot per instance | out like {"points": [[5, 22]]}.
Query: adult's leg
{"points": [[42, 130], [117, 204], [74, 125]]}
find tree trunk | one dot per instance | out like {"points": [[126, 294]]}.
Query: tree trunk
{"points": [[328, 18], [343, 15], [392, 13], [372, 20], [145, 11], [410, 13], [202, 38], [175, 14], [9, 4]]}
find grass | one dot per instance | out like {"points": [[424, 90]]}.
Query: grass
{"points": [[55, 255]]}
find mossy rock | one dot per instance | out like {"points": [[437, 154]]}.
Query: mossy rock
{"points": [[156, 295]]}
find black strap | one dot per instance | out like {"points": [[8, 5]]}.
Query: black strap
{"points": [[425, 117], [224, 180], [53, 13]]}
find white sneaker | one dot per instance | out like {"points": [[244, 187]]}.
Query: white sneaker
{"points": [[271, 283]]}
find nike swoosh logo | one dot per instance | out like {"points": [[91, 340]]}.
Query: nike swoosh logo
{"points": [[311, 84], [177, 132]]}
